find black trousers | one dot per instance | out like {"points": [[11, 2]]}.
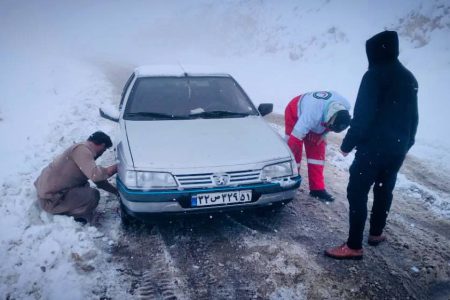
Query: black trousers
{"points": [[379, 170]]}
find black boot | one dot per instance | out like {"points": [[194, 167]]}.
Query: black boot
{"points": [[322, 195], [83, 221]]}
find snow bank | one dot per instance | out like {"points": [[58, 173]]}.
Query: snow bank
{"points": [[45, 256]]}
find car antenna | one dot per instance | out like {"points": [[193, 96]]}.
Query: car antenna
{"points": [[181, 67]]}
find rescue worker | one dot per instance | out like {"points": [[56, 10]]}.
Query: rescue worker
{"points": [[308, 118], [63, 186], [383, 129]]}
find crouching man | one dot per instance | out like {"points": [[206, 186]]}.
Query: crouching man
{"points": [[63, 186]]}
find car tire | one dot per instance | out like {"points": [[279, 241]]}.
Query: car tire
{"points": [[125, 218]]}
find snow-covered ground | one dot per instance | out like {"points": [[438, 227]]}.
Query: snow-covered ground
{"points": [[61, 60]]}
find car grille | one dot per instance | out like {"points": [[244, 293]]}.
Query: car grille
{"points": [[207, 179]]}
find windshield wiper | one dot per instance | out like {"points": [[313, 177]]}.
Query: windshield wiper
{"points": [[155, 115], [218, 114]]}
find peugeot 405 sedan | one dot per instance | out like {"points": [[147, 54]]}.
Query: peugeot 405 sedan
{"points": [[193, 142]]}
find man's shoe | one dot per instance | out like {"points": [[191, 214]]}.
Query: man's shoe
{"points": [[83, 221], [322, 195], [375, 240], [344, 252]]}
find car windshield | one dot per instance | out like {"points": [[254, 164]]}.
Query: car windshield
{"points": [[162, 98]]}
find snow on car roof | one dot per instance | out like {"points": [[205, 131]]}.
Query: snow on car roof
{"points": [[177, 70]]}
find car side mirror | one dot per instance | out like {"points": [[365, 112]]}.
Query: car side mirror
{"points": [[265, 108], [109, 114]]}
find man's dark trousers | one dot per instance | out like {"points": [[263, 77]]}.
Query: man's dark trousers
{"points": [[367, 169]]}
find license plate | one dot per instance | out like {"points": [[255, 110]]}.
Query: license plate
{"points": [[221, 198]]}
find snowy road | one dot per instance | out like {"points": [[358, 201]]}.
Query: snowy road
{"points": [[279, 255]]}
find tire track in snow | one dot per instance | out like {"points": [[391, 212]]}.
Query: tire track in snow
{"points": [[157, 280], [146, 256], [207, 250]]}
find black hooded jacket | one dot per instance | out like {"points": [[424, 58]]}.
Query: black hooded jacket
{"points": [[385, 117]]}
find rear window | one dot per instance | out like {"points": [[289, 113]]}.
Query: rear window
{"points": [[183, 96]]}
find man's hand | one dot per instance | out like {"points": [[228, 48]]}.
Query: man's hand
{"points": [[322, 139], [106, 186], [112, 170], [296, 146]]}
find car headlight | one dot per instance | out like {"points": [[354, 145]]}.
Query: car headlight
{"points": [[279, 170], [148, 180]]}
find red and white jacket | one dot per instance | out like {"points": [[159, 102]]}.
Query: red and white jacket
{"points": [[313, 111]]}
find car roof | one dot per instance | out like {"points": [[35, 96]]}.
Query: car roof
{"points": [[177, 70]]}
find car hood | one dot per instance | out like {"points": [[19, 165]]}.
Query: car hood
{"points": [[199, 143]]}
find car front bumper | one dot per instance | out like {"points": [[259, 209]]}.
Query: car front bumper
{"points": [[138, 202]]}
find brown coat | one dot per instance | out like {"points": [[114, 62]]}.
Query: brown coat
{"points": [[68, 171]]}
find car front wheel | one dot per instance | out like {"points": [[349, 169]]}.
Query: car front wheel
{"points": [[126, 219]]}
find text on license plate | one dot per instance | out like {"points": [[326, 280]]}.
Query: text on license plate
{"points": [[221, 198]]}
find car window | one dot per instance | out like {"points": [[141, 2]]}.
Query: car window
{"points": [[188, 96], [124, 91]]}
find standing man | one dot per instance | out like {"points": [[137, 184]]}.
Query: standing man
{"points": [[383, 129], [63, 186], [308, 118]]}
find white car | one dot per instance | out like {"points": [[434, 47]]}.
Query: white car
{"points": [[193, 142]]}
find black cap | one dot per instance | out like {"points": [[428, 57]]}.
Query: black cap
{"points": [[341, 121], [99, 137]]}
